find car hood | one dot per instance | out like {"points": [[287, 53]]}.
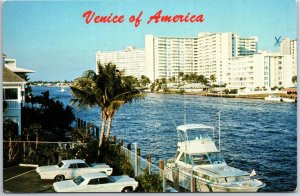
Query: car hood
{"points": [[46, 168], [64, 186]]}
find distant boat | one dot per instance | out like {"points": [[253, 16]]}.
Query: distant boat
{"points": [[288, 100], [62, 89], [273, 98]]}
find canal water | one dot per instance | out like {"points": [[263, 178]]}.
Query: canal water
{"points": [[255, 134]]}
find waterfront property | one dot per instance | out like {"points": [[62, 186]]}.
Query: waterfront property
{"points": [[261, 70], [131, 60], [206, 54], [13, 96], [13, 90], [250, 128], [233, 60]]}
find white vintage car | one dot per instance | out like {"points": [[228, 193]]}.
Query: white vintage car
{"points": [[69, 169], [97, 182]]}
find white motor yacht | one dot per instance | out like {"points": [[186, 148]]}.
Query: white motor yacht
{"points": [[198, 156], [273, 98], [288, 100]]}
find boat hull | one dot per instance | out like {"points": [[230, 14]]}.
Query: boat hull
{"points": [[210, 187], [288, 100], [202, 185]]}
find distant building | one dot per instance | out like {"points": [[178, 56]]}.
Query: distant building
{"points": [[233, 60], [263, 70], [289, 47], [167, 56], [207, 54], [13, 90], [131, 60]]}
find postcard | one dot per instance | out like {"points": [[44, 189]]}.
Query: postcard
{"points": [[149, 96]]}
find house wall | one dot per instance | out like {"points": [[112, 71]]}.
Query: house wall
{"points": [[13, 111]]}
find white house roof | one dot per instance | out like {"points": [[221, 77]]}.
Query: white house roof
{"points": [[193, 126], [19, 70]]}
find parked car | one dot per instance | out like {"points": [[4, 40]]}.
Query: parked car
{"points": [[69, 169], [97, 182]]}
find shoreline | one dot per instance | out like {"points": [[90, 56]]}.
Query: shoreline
{"points": [[236, 96], [205, 94]]}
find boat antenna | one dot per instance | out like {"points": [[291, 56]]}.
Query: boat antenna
{"points": [[174, 123], [184, 101], [219, 114]]}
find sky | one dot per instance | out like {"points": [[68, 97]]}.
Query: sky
{"points": [[52, 38]]}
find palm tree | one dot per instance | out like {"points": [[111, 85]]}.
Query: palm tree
{"points": [[144, 80], [108, 90], [126, 94], [294, 79], [180, 75], [213, 79], [87, 93]]}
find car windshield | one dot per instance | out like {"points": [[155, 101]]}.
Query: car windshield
{"points": [[111, 179], [60, 164], [78, 180]]}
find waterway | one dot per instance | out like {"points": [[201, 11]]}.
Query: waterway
{"points": [[255, 134]]}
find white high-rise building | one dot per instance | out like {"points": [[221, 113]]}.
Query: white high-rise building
{"points": [[131, 60], [213, 53], [289, 47], [232, 59], [167, 56], [260, 70], [207, 54]]}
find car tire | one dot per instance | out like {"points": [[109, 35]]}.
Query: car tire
{"points": [[127, 189], [59, 178]]}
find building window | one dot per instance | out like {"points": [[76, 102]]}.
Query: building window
{"points": [[10, 93]]}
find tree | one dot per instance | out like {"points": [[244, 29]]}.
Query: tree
{"points": [[180, 75], [144, 80], [294, 79], [108, 89], [10, 132], [126, 94], [36, 129], [213, 79], [89, 90]]}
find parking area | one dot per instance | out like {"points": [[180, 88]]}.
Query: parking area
{"points": [[21, 179]]}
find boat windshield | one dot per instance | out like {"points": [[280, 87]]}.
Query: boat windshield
{"points": [[210, 158], [216, 158], [201, 134], [200, 159]]}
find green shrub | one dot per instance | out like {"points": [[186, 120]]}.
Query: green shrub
{"points": [[118, 161], [149, 182], [233, 91], [181, 91]]}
